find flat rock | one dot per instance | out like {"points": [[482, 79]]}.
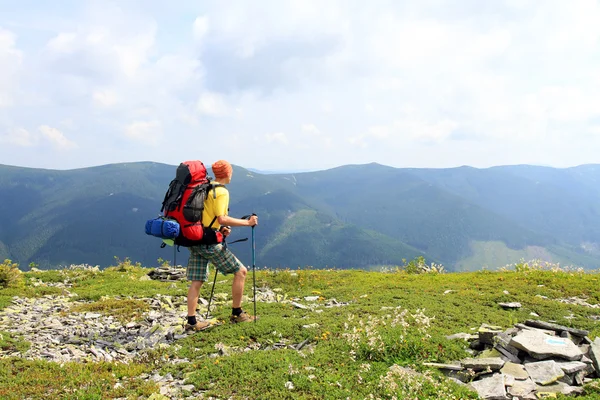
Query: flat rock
{"points": [[571, 367], [544, 372], [482, 364], [542, 346], [594, 353], [558, 387], [556, 327], [515, 370], [522, 388], [491, 388], [512, 305], [452, 367]]}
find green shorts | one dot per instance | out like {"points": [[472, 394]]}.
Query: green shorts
{"points": [[221, 258]]}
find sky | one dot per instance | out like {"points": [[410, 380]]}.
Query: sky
{"points": [[300, 84]]}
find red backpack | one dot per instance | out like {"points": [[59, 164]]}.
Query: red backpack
{"points": [[184, 202]]}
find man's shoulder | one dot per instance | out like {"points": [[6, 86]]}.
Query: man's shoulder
{"points": [[220, 189]]}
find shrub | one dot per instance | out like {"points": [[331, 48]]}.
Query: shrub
{"points": [[10, 275]]}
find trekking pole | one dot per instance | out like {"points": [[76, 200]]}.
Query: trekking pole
{"points": [[212, 291], [253, 264]]}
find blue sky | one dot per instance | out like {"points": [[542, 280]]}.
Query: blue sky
{"points": [[300, 84]]}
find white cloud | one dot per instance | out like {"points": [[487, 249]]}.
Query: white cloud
{"points": [[10, 63], [276, 137], [19, 137], [311, 130], [459, 82], [200, 28], [56, 137], [211, 104], [144, 132], [105, 98]]}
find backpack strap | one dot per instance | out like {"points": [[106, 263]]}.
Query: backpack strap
{"points": [[214, 189]]}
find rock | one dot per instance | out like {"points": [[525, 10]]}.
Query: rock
{"points": [[542, 346], [513, 305], [558, 387], [311, 298], [571, 366], [544, 372], [491, 388], [515, 370], [522, 388], [556, 327], [452, 367], [594, 353], [483, 364], [465, 336]]}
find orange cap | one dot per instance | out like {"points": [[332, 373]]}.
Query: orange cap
{"points": [[222, 169]]}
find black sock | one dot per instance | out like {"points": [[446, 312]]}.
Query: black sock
{"points": [[236, 311], [192, 320]]}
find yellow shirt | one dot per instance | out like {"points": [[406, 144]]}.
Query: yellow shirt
{"points": [[215, 207]]}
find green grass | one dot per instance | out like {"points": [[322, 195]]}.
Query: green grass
{"points": [[393, 320]]}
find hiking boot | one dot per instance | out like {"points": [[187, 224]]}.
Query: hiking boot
{"points": [[200, 326], [243, 317]]}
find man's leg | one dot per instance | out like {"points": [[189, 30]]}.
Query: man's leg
{"points": [[192, 297], [197, 272], [237, 288]]}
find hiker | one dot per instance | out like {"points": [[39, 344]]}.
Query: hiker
{"points": [[215, 211]]}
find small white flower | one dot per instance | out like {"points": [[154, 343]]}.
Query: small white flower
{"points": [[289, 385]]}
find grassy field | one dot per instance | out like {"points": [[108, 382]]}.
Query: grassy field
{"points": [[385, 320]]}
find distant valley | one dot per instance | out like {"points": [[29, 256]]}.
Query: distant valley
{"points": [[356, 216]]}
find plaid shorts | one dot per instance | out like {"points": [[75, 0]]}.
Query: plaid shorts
{"points": [[221, 258]]}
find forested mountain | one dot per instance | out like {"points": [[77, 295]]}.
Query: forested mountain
{"points": [[355, 216]]}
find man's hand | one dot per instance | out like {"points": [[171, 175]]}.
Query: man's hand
{"points": [[253, 220], [225, 230]]}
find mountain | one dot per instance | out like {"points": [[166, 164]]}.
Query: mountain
{"points": [[355, 216]]}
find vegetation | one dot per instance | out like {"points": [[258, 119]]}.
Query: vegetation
{"points": [[10, 275], [349, 217], [371, 345]]}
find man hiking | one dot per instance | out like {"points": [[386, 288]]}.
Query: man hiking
{"points": [[216, 207]]}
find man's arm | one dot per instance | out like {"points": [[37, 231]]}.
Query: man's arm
{"points": [[231, 221]]}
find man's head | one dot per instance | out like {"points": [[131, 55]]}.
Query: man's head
{"points": [[222, 171]]}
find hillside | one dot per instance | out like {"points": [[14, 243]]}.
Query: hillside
{"points": [[355, 216], [325, 334]]}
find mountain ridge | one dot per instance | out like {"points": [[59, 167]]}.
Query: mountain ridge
{"points": [[352, 216]]}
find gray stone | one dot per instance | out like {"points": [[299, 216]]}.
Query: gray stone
{"points": [[542, 346], [483, 364], [512, 305], [558, 387], [556, 327], [523, 327], [453, 367], [594, 353], [544, 372], [571, 366], [517, 371], [491, 388], [522, 388], [465, 336]]}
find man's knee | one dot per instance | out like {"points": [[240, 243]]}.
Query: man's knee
{"points": [[242, 272], [196, 284]]}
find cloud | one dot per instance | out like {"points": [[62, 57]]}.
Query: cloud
{"points": [[144, 132], [105, 98], [277, 137], [57, 138], [200, 28], [476, 83], [311, 130], [10, 63], [19, 137], [211, 104]]}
